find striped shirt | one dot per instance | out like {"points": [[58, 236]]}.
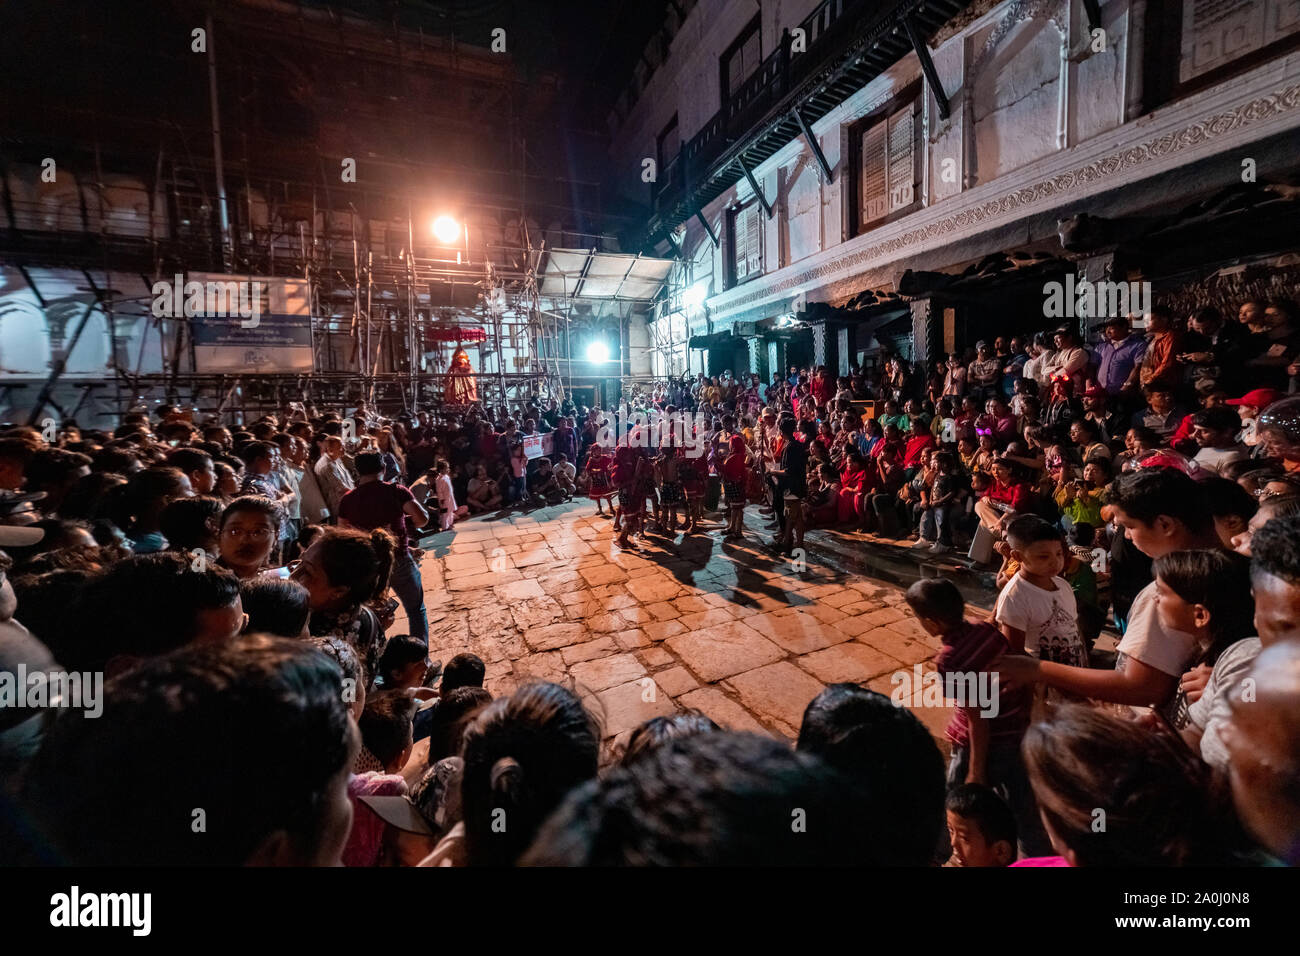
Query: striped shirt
{"points": [[968, 650]]}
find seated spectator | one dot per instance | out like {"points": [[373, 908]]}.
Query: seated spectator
{"points": [[1007, 497], [1085, 434], [343, 570], [1275, 506], [1162, 414], [1248, 408], [1215, 433], [1139, 443], [566, 476], [1079, 499], [452, 714], [823, 497], [1232, 507]]}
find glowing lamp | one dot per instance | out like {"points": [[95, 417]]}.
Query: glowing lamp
{"points": [[446, 230]]}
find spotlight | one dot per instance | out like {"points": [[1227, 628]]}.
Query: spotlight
{"points": [[597, 352], [446, 229], [695, 296]]}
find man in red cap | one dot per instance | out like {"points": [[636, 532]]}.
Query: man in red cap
{"points": [[1249, 407], [1097, 407]]}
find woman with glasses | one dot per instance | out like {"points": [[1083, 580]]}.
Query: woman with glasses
{"points": [[249, 532]]}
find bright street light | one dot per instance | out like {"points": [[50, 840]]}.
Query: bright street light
{"points": [[597, 352], [695, 296], [446, 229]]}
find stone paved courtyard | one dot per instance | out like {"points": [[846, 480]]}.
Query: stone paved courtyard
{"points": [[723, 627]]}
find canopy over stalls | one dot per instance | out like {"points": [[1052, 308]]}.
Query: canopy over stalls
{"points": [[586, 274]]}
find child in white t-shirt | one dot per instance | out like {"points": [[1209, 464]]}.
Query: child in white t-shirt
{"points": [[1036, 611], [565, 475], [446, 496]]}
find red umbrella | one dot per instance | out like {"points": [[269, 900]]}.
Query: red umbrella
{"points": [[451, 333]]}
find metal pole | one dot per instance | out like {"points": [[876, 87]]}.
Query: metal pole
{"points": [[222, 211], [370, 288], [410, 304], [56, 371]]}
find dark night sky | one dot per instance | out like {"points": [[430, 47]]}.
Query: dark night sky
{"points": [[120, 74], [594, 44]]}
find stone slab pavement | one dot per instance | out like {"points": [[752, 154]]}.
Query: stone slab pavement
{"points": [[723, 627]]}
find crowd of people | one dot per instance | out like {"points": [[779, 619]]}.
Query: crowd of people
{"points": [[231, 587]]}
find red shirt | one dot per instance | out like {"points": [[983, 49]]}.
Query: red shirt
{"points": [[915, 445], [625, 462], [377, 504], [1016, 495], [970, 649], [1183, 431], [734, 468]]}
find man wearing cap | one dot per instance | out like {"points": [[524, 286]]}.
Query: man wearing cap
{"points": [[1249, 407], [1096, 408], [1069, 360], [1118, 358]]}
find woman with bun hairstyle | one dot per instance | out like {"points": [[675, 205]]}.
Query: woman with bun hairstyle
{"points": [[343, 570]]}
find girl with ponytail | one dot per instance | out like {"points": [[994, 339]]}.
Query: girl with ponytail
{"points": [[343, 570], [522, 755]]}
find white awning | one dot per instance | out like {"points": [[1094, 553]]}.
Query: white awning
{"points": [[584, 274]]}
